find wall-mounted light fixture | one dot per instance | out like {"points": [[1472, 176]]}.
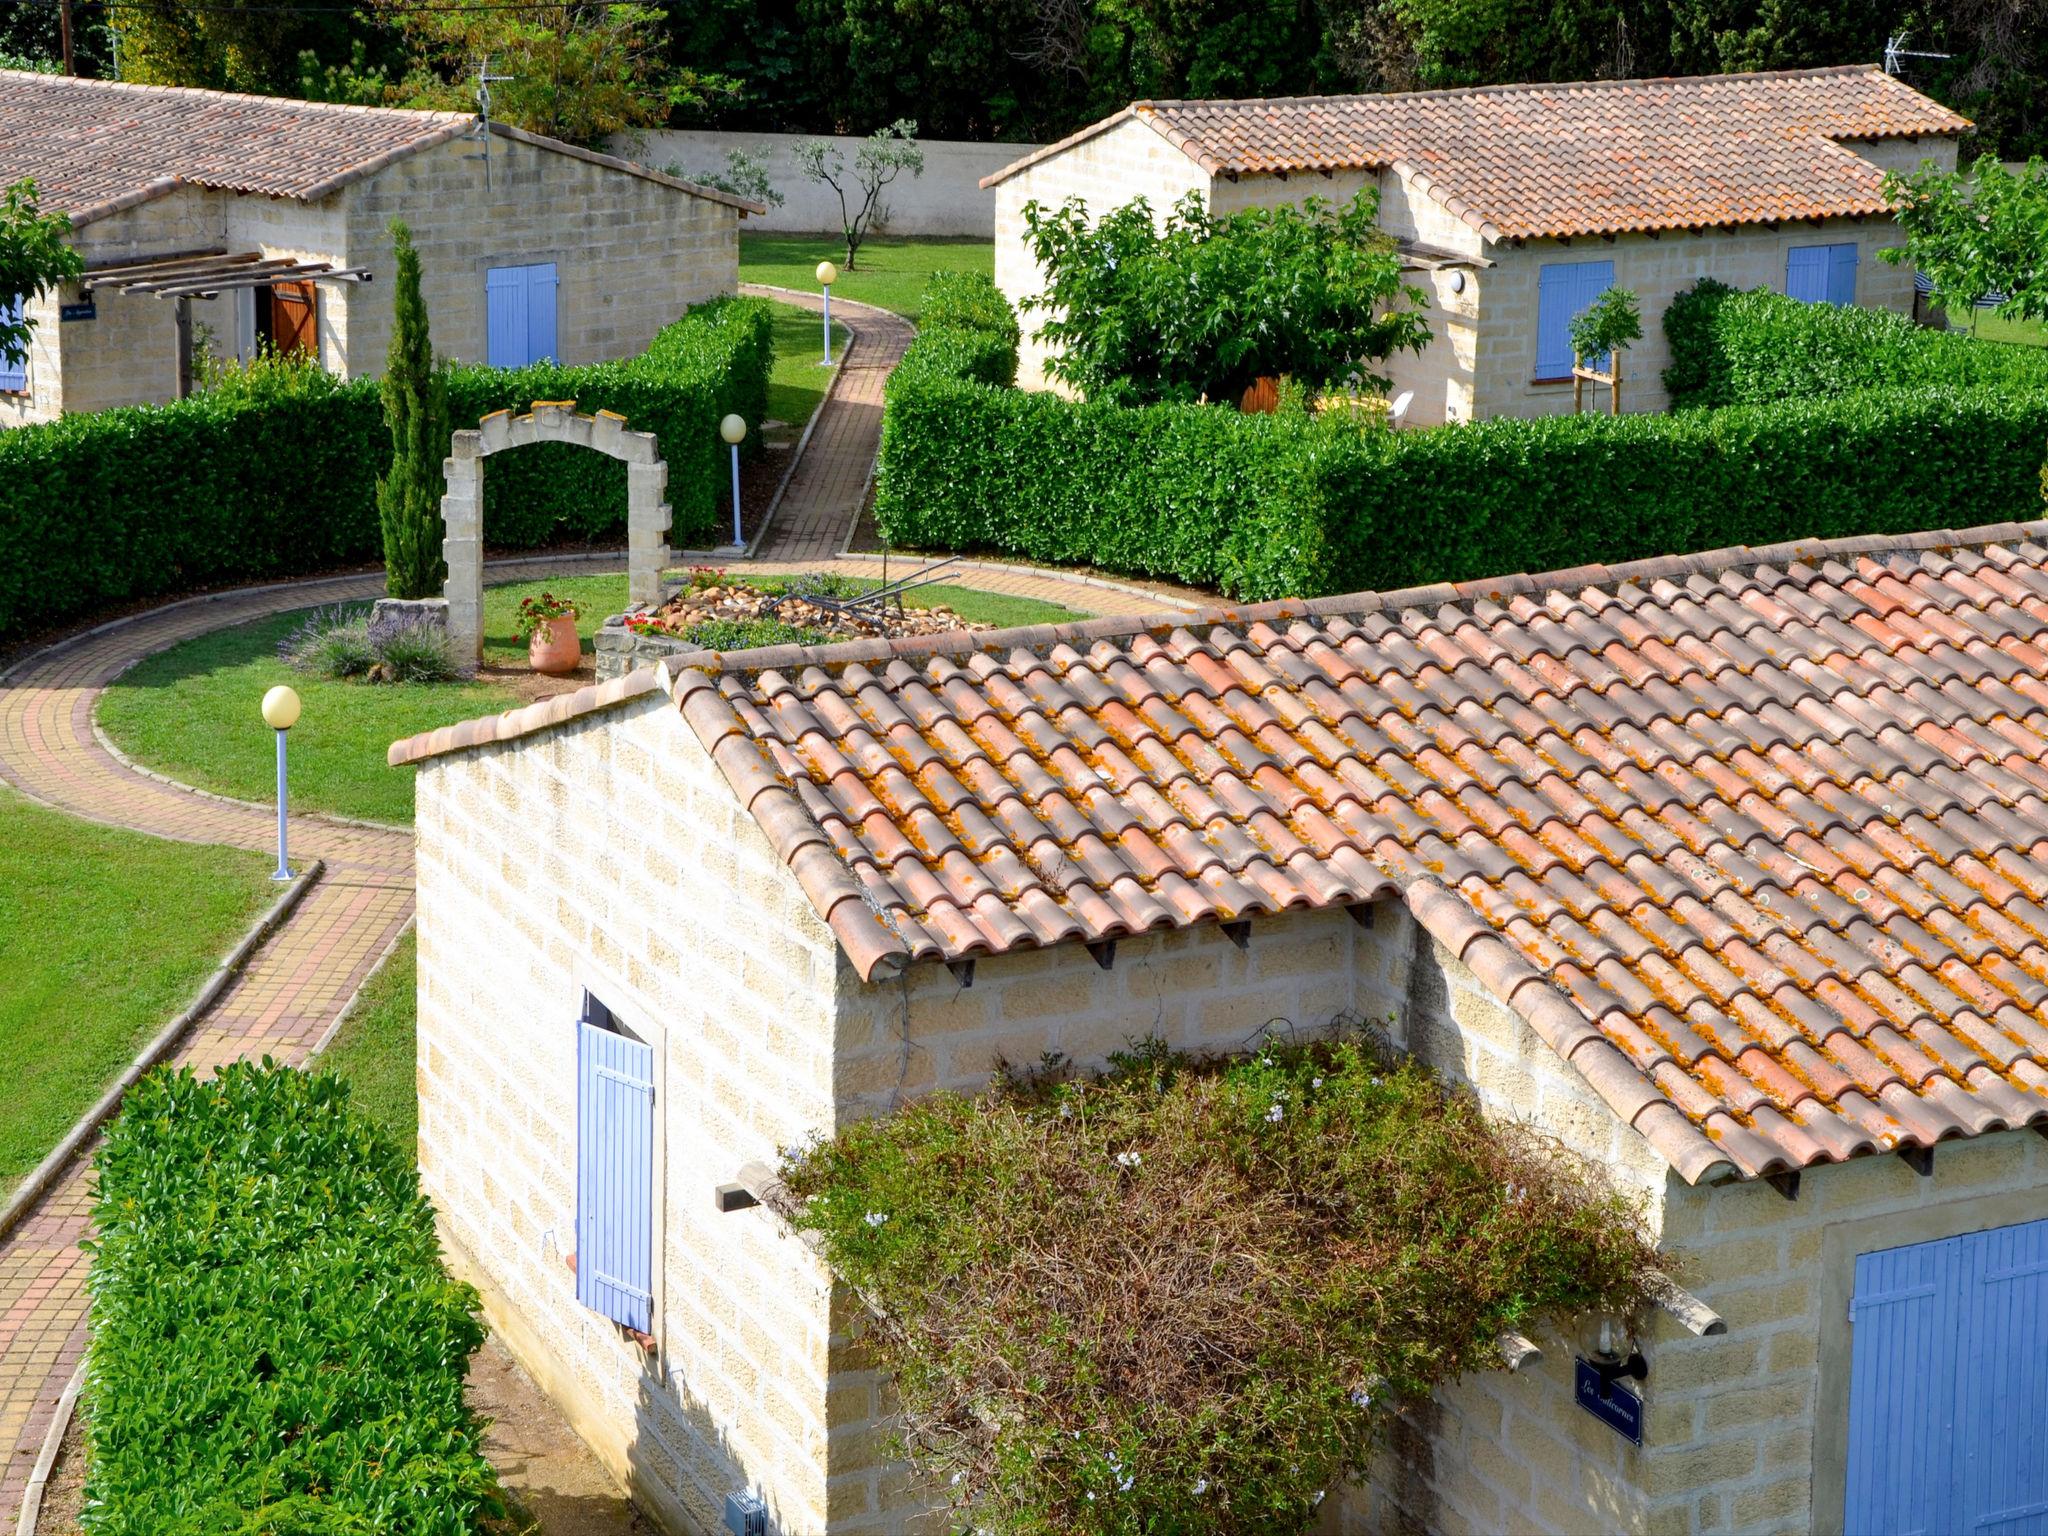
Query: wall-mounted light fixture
{"points": [[1608, 1345]]}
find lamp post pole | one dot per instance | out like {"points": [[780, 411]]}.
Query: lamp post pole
{"points": [[734, 430], [827, 276], [281, 713]]}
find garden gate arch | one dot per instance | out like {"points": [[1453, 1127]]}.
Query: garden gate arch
{"points": [[648, 517]]}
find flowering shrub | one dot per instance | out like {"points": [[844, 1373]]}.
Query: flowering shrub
{"points": [[1181, 1296]]}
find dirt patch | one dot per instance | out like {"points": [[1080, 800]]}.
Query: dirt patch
{"points": [[532, 686], [558, 1488], [64, 1494]]}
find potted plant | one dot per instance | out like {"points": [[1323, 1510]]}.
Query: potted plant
{"points": [[548, 625]]}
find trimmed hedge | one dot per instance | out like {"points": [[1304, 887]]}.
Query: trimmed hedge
{"points": [[1731, 347], [108, 507], [1265, 506], [275, 1345]]}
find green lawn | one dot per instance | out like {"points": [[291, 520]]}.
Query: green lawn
{"points": [[108, 935], [797, 383], [191, 711], [1986, 326], [891, 273], [374, 1047]]}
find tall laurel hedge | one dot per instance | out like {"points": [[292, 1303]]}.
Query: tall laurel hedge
{"points": [[276, 1348], [117, 505], [1288, 504]]}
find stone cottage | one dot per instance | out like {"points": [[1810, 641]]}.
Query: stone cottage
{"points": [[1730, 871], [233, 222], [1515, 206]]}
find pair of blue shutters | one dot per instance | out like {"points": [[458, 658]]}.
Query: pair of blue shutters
{"points": [[519, 315], [13, 373], [1564, 291], [1821, 274], [1948, 1387], [614, 1171]]}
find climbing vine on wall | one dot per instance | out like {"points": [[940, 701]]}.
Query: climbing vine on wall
{"points": [[1183, 1295]]}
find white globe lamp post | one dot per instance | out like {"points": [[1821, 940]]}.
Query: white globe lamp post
{"points": [[827, 276], [734, 430], [281, 713]]}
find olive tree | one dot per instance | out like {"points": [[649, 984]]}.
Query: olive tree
{"points": [[883, 156]]}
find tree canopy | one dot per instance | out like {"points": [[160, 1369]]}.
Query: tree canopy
{"points": [[1207, 304], [34, 258], [1977, 234]]}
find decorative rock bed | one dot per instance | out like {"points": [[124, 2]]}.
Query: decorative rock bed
{"points": [[642, 636]]}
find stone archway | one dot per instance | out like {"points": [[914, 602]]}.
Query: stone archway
{"points": [[648, 518]]}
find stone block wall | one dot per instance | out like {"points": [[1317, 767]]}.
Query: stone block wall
{"points": [[1747, 1433], [631, 254], [608, 853]]}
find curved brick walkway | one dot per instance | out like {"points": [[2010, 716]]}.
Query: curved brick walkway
{"points": [[299, 981], [824, 496]]}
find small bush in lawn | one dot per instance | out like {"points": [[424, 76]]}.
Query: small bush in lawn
{"points": [[333, 642], [418, 653], [1184, 1296], [276, 1348]]}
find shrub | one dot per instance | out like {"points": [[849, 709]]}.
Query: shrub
{"points": [[968, 301], [415, 395], [1751, 347], [1290, 504], [332, 642], [275, 1345], [1187, 1296], [418, 653], [247, 485], [746, 634]]}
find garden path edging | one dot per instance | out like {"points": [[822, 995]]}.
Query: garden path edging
{"points": [[45, 1173]]}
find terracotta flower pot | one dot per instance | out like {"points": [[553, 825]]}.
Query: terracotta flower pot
{"points": [[554, 648]]}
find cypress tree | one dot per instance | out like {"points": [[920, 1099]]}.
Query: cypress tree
{"points": [[415, 398]]}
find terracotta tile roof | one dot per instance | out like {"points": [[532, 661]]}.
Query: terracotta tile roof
{"points": [[1594, 157], [95, 147], [1757, 840]]}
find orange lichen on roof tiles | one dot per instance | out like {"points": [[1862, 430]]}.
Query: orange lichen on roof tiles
{"points": [[1583, 158], [1758, 841]]}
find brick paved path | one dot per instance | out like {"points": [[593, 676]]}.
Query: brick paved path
{"points": [[296, 984], [824, 494]]}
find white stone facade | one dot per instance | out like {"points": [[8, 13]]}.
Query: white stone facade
{"points": [[1481, 360], [631, 255], [607, 852]]}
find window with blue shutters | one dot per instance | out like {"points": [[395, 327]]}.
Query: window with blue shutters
{"points": [[1564, 291], [1948, 1386], [614, 1170], [13, 371], [519, 315], [1821, 274]]}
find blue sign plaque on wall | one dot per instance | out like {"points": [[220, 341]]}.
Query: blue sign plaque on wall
{"points": [[86, 310], [1608, 1401]]}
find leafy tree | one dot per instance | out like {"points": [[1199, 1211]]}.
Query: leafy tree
{"points": [[744, 175], [1606, 325], [883, 156], [34, 258], [1207, 305], [248, 45], [1973, 235], [415, 395], [579, 71]]}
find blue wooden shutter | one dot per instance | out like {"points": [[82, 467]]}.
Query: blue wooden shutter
{"points": [[505, 317], [615, 1176], [1806, 273], [2002, 1358], [1564, 290], [1842, 274], [540, 311], [13, 374], [1901, 1399]]}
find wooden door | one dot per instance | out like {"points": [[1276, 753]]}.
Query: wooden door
{"points": [[290, 322]]}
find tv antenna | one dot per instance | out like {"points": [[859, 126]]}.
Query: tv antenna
{"points": [[484, 81], [1895, 49]]}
